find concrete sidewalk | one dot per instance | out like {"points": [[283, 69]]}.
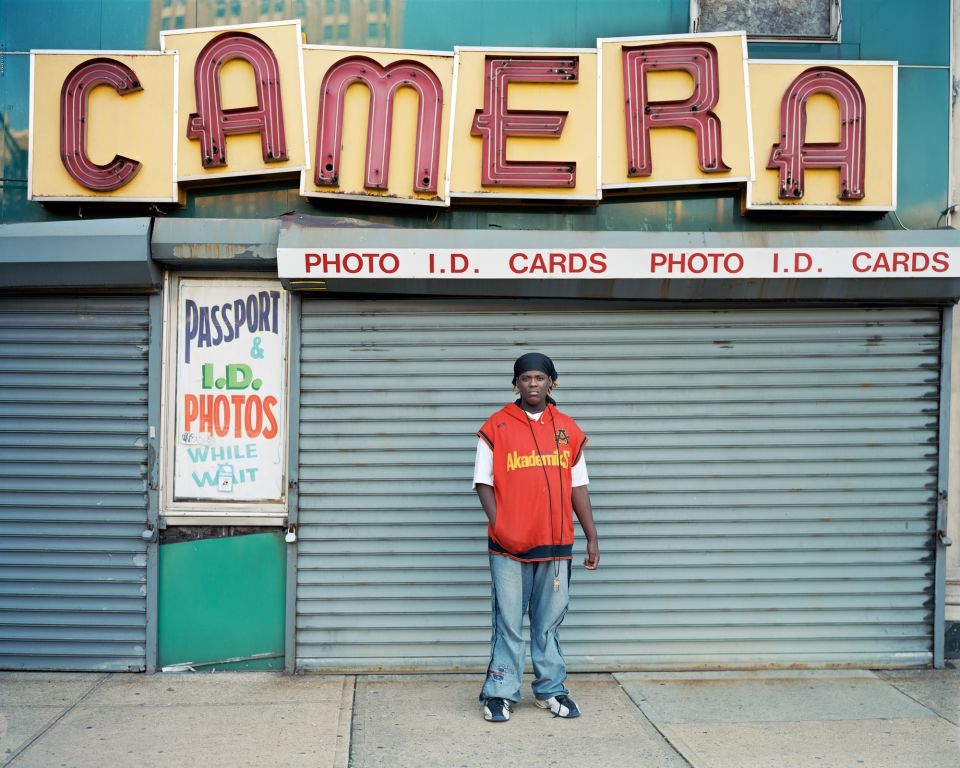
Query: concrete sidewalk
{"points": [[780, 719]]}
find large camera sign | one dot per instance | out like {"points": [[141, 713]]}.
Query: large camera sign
{"points": [[632, 114]]}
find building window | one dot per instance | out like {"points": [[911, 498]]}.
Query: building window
{"points": [[264, 7], [344, 6], [373, 6], [329, 7], [343, 31], [781, 20], [328, 32]]}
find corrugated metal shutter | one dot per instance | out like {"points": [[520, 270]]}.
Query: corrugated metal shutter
{"points": [[764, 482], [73, 505]]}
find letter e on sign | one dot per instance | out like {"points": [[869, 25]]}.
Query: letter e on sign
{"points": [[526, 124]]}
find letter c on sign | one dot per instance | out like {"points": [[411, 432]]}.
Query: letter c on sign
{"points": [[74, 97]]}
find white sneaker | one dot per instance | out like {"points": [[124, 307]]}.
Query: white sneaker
{"points": [[561, 705], [496, 710]]}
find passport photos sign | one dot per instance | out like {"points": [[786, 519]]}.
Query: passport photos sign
{"points": [[230, 392]]}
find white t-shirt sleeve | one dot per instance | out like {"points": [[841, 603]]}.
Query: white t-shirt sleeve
{"points": [[579, 472], [483, 464], [483, 467]]}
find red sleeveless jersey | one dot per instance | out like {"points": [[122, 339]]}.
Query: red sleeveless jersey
{"points": [[532, 482]]}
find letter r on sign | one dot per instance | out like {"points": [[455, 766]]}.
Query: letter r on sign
{"points": [[701, 61]]}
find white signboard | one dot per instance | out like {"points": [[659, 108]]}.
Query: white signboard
{"points": [[579, 263], [230, 400]]}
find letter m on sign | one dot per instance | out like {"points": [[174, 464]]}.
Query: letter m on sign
{"points": [[383, 83]]}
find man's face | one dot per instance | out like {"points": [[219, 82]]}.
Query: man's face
{"points": [[533, 386]]}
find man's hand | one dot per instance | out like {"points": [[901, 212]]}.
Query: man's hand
{"points": [[584, 512], [592, 560], [488, 501]]}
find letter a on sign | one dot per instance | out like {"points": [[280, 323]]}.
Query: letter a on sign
{"points": [[212, 124], [815, 148], [792, 154]]}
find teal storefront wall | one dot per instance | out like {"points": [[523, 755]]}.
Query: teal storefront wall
{"points": [[872, 30]]}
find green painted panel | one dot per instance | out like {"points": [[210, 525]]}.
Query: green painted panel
{"points": [[222, 599]]}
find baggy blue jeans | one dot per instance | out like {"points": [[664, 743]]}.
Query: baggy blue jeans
{"points": [[519, 588]]}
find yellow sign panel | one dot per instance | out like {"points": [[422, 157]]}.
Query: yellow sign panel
{"points": [[378, 124], [525, 124], [675, 110], [241, 101], [825, 134], [102, 127]]}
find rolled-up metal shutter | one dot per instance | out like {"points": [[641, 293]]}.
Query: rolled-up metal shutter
{"points": [[764, 482], [73, 502]]}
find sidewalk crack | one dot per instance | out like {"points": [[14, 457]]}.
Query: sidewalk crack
{"points": [[893, 684], [343, 756], [46, 729], [676, 748]]}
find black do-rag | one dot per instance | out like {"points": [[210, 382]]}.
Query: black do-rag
{"points": [[534, 361]]}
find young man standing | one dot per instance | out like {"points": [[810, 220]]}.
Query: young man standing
{"points": [[531, 475]]}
